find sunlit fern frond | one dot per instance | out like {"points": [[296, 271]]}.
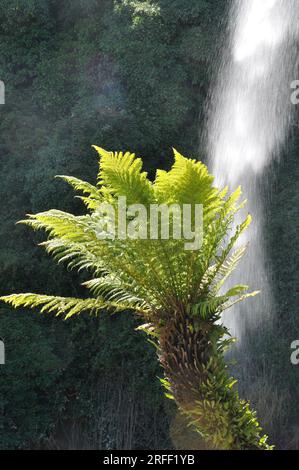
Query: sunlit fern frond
{"points": [[188, 182], [69, 306], [61, 224], [224, 253], [92, 197], [80, 185], [114, 290], [51, 304], [77, 256], [122, 175], [227, 268], [239, 299]]}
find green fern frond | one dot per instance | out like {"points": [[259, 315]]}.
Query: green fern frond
{"points": [[65, 306], [94, 197], [62, 224], [236, 290], [82, 186], [225, 252], [121, 174], [241, 299], [113, 289], [208, 307], [75, 255], [188, 182], [228, 267]]}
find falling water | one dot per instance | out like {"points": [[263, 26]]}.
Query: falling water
{"points": [[248, 123]]}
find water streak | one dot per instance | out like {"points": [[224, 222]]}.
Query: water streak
{"points": [[249, 120]]}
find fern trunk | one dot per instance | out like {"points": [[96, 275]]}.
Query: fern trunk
{"points": [[197, 379]]}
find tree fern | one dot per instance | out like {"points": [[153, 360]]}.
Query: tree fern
{"points": [[179, 293]]}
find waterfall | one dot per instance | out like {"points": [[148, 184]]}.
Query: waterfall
{"points": [[249, 119]]}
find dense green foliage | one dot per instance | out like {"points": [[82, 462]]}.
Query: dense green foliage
{"points": [[127, 74], [177, 290]]}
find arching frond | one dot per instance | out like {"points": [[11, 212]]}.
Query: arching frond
{"points": [[240, 299], [121, 174], [94, 197], [65, 306], [80, 185], [227, 268], [113, 290], [75, 255], [188, 182], [225, 252], [68, 306], [62, 224]]}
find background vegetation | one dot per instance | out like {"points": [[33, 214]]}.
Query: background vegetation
{"points": [[125, 75]]}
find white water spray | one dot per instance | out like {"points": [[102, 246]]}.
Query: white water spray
{"points": [[249, 120]]}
